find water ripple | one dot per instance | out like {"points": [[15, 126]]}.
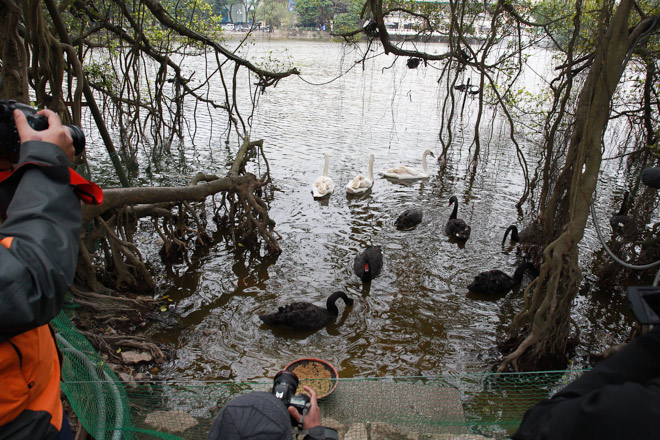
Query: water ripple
{"points": [[416, 317]]}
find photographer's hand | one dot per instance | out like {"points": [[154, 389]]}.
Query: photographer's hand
{"points": [[313, 417], [56, 133]]}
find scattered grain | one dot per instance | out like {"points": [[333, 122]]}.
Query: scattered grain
{"points": [[315, 375]]}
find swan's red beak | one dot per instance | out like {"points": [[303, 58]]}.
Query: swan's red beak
{"points": [[366, 267]]}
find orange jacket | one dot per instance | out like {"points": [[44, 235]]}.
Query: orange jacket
{"points": [[30, 405]]}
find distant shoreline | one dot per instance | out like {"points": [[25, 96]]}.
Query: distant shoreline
{"points": [[294, 34], [285, 34]]}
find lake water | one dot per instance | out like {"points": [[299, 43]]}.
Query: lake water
{"points": [[416, 318]]}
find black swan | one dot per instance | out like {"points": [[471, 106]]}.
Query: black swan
{"points": [[530, 242], [409, 218], [519, 236], [496, 282], [514, 234], [368, 263], [456, 227], [620, 220], [306, 316], [531, 233]]}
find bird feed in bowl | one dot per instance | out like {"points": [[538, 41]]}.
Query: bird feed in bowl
{"points": [[316, 374]]}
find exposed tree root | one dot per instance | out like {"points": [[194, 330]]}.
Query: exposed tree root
{"points": [[112, 268], [518, 352], [178, 216], [110, 344], [103, 302]]}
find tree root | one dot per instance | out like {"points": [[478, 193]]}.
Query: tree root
{"points": [[112, 265], [513, 357], [103, 302], [109, 344], [178, 216]]}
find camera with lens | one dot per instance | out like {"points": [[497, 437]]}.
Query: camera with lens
{"points": [[10, 142], [285, 386]]}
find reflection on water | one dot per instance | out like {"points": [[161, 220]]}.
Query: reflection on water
{"points": [[416, 317]]}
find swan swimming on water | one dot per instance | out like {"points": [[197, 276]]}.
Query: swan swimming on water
{"points": [[405, 173], [409, 218], [530, 242], [361, 184], [368, 263], [306, 316], [323, 185], [515, 236], [456, 228], [496, 282]]}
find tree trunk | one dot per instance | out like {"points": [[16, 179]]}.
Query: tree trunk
{"points": [[13, 69], [543, 326]]}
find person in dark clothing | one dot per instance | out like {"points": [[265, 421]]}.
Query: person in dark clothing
{"points": [[618, 399], [262, 416], [39, 238]]}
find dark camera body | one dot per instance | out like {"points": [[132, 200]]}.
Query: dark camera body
{"points": [[10, 142], [285, 386]]}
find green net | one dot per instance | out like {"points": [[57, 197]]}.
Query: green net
{"points": [[449, 406]]}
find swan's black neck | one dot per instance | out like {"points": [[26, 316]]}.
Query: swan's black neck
{"points": [[514, 233], [520, 271], [454, 212], [330, 304], [624, 204]]}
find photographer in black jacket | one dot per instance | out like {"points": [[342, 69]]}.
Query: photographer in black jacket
{"points": [[618, 399]]}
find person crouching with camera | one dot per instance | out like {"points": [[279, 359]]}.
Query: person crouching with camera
{"points": [[272, 416], [40, 216]]}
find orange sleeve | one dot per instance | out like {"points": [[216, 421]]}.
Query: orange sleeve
{"points": [[6, 242]]}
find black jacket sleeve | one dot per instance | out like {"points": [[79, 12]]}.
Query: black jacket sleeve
{"points": [[618, 399], [40, 238], [321, 433]]}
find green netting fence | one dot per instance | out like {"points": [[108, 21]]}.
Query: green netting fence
{"points": [[439, 407]]}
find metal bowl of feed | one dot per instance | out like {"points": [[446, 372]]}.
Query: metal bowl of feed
{"points": [[317, 374]]}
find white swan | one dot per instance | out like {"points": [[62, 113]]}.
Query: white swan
{"points": [[323, 186], [361, 184], [404, 173]]}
